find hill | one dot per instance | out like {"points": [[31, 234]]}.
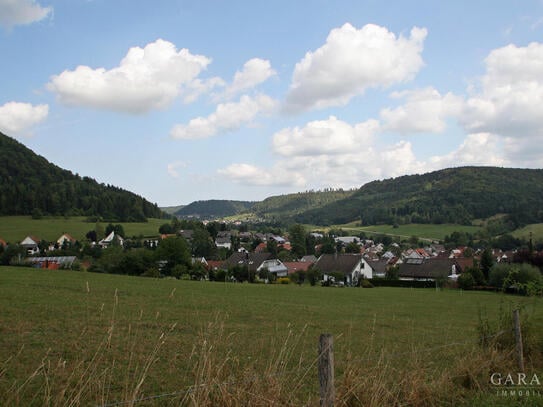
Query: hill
{"points": [[214, 208], [31, 184], [454, 195]]}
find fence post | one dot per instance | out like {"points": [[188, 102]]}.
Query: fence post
{"points": [[326, 370], [518, 340]]}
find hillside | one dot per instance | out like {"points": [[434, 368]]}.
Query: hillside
{"points": [[31, 184], [455, 195], [214, 208], [288, 206]]}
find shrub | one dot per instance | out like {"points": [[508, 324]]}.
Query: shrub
{"points": [[498, 274], [283, 280], [465, 281], [364, 283]]}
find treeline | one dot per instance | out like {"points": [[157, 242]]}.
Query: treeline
{"points": [[31, 185], [456, 195], [214, 208]]}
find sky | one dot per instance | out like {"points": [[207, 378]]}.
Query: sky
{"points": [[180, 101]]}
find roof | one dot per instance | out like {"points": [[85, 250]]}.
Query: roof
{"points": [[3, 242], [380, 266], [294, 266], [66, 260], [344, 263], [253, 260], [310, 258], [427, 269], [30, 241], [66, 236]]}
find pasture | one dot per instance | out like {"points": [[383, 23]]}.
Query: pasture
{"points": [[16, 228], [77, 338]]}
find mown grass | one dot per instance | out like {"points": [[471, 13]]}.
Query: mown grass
{"points": [[534, 231], [76, 338], [15, 228]]}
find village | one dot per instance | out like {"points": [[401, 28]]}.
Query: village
{"points": [[268, 257]]}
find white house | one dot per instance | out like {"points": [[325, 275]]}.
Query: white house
{"points": [[109, 239]]}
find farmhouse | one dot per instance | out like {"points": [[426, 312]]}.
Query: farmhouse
{"points": [[65, 239], [352, 266], [250, 260], [30, 244], [111, 239]]}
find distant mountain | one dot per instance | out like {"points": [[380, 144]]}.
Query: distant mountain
{"points": [[31, 184], [213, 209], [455, 195], [170, 210]]}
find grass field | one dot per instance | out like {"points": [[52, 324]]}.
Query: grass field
{"points": [[404, 232], [16, 228], [76, 338], [535, 231]]}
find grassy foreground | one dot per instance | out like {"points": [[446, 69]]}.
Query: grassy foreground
{"points": [[76, 338]]}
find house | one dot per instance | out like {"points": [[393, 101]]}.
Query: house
{"points": [[310, 258], [187, 234], [297, 266], [427, 269], [30, 244], [65, 239], [379, 267], [352, 266], [223, 242], [274, 266], [250, 260], [111, 239]]}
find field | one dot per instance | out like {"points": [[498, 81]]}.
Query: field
{"points": [[16, 228], [535, 231], [76, 338], [404, 232]]}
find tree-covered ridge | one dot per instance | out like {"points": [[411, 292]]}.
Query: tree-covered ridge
{"points": [[455, 195], [289, 205], [31, 184], [214, 208]]}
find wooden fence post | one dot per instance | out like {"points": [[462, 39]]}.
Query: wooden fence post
{"points": [[326, 370], [518, 340]]}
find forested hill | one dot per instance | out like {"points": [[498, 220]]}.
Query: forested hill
{"points": [[31, 184], [214, 208], [457, 195]]}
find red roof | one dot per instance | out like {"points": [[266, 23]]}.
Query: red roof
{"points": [[294, 266], [3, 242], [214, 264], [262, 247]]}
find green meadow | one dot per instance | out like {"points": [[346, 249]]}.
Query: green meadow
{"points": [[16, 228], [78, 338]]}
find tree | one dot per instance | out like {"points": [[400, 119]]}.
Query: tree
{"points": [[118, 229], [297, 235], [173, 251], [165, 229], [486, 262]]}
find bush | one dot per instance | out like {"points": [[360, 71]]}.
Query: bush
{"points": [[283, 280], [498, 274], [466, 281], [365, 283]]}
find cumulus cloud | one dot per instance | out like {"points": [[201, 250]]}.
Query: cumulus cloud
{"points": [[249, 174], [227, 117], [198, 87], [18, 118], [20, 12], [146, 78], [476, 149], [351, 61], [425, 111], [254, 72], [331, 136], [508, 103]]}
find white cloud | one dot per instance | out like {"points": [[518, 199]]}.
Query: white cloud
{"points": [[476, 149], [425, 111], [251, 175], [173, 167], [331, 136], [227, 117], [508, 103], [18, 118], [146, 78], [255, 71], [198, 87], [351, 61], [20, 12]]}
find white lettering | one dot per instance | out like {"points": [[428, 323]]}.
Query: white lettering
{"points": [[496, 379]]}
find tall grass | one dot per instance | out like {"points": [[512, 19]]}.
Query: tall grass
{"points": [[156, 343]]}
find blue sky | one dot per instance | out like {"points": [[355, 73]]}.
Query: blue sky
{"points": [[188, 100]]}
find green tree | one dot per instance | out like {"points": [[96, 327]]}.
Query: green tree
{"points": [[297, 234], [173, 251], [486, 262]]}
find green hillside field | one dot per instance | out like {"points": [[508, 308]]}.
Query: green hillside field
{"points": [[77, 338], [15, 228]]}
